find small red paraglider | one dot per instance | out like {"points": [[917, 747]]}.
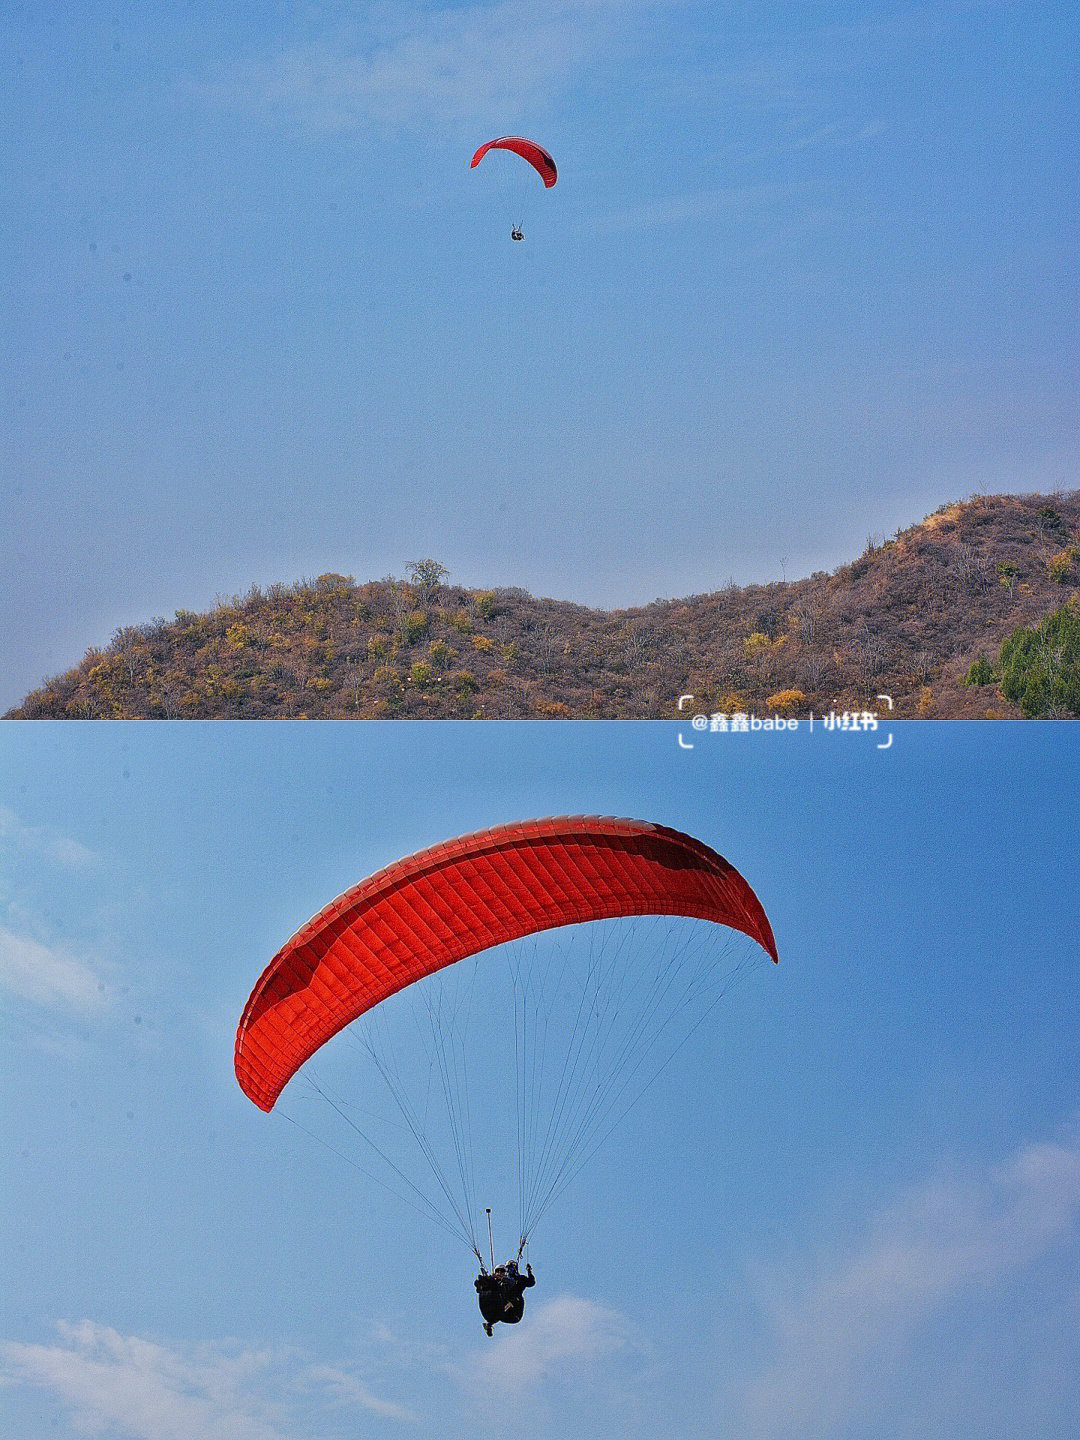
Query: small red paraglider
{"points": [[535, 154]]}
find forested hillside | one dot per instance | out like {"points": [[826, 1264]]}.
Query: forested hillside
{"points": [[910, 617]]}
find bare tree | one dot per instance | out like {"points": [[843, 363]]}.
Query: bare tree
{"points": [[546, 647], [638, 645]]}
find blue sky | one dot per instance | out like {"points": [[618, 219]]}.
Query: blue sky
{"points": [[807, 274], [851, 1208]]}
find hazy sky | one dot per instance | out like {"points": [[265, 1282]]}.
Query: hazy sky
{"points": [[807, 274], [850, 1208]]}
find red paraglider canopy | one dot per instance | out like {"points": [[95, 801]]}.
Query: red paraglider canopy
{"points": [[535, 154], [464, 896]]}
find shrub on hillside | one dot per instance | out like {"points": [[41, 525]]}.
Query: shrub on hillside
{"points": [[980, 672], [1040, 667], [1062, 567], [784, 701], [413, 626], [1008, 573]]}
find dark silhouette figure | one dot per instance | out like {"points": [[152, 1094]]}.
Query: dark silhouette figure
{"points": [[501, 1295]]}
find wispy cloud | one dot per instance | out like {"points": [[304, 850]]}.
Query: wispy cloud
{"points": [[42, 840], [405, 65], [840, 1329], [701, 205], [150, 1391], [49, 975], [566, 1337], [345, 1388]]}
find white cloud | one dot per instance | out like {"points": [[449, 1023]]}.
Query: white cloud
{"points": [[400, 66], [346, 1389], [842, 1329], [143, 1389], [42, 840], [48, 975], [149, 1391], [565, 1338]]}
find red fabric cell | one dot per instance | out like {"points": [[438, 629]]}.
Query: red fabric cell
{"points": [[535, 154]]}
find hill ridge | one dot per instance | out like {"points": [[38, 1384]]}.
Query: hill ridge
{"points": [[908, 617]]}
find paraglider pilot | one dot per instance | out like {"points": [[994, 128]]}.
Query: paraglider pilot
{"points": [[501, 1295]]}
